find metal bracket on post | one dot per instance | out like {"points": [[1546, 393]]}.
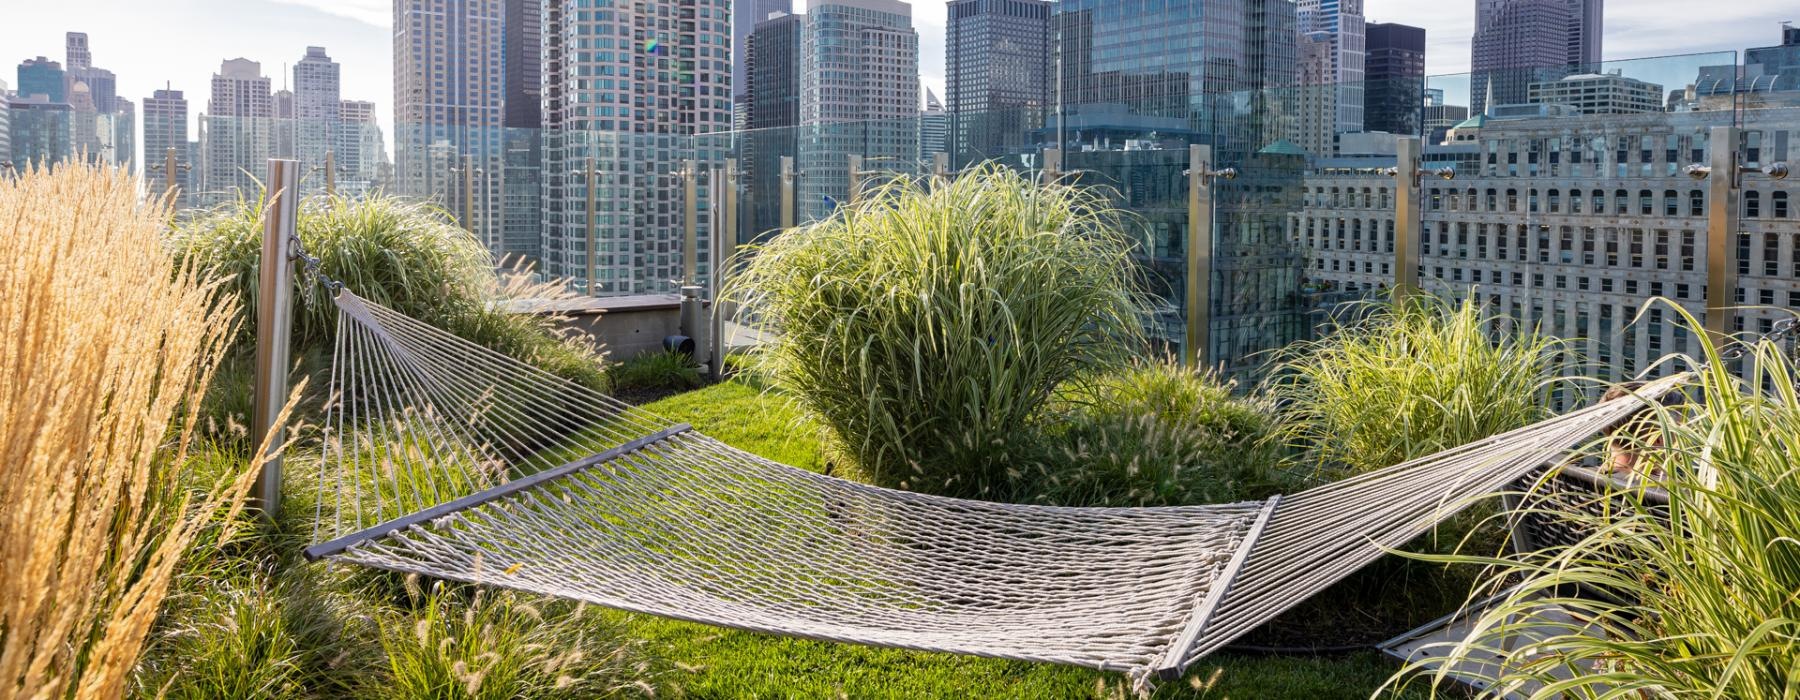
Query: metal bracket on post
{"points": [[856, 175], [1052, 163], [1200, 175], [274, 319], [1407, 216], [690, 248], [787, 192]]}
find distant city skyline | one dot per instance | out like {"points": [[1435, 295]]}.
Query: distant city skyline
{"points": [[180, 44]]}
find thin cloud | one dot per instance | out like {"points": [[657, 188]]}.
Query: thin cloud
{"points": [[379, 13]]}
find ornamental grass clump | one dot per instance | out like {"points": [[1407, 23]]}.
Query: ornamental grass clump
{"points": [[107, 344], [1699, 598], [406, 255], [1398, 380], [1159, 434], [927, 325]]}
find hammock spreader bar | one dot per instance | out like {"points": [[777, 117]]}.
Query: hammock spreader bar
{"points": [[1174, 661], [337, 546]]}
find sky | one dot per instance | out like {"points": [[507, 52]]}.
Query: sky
{"points": [[150, 43]]}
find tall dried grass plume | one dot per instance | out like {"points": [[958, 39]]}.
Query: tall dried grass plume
{"points": [[106, 344]]}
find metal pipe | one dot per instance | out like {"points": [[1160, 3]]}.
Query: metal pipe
{"points": [[274, 319], [1721, 232], [1407, 220], [592, 254], [787, 192]]}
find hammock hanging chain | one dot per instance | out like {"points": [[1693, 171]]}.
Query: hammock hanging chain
{"points": [[311, 265]]}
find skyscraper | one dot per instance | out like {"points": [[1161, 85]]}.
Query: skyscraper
{"points": [[317, 103], [859, 94], [522, 54], [1337, 25], [628, 90], [772, 114], [1520, 42], [42, 76], [75, 46], [449, 97], [5, 128], [358, 148], [1396, 78], [934, 125], [166, 127], [39, 131], [745, 15], [103, 125], [998, 75], [283, 136], [1131, 107], [1586, 26], [237, 130]]}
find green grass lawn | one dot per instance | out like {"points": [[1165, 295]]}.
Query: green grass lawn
{"points": [[709, 662]]}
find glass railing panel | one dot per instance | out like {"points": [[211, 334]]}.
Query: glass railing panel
{"points": [[1571, 205], [1767, 255]]}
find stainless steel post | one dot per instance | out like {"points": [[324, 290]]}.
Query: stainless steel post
{"points": [[1199, 256], [690, 248], [787, 192], [1406, 216], [940, 165], [169, 187], [1721, 233], [469, 195], [330, 174], [592, 254], [856, 170], [274, 319], [1052, 163]]}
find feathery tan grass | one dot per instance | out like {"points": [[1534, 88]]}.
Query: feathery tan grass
{"points": [[105, 345]]}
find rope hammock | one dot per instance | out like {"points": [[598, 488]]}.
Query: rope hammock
{"points": [[449, 460]]}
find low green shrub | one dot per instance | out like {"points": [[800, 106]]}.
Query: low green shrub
{"points": [[260, 637], [927, 326], [480, 644], [1695, 599], [1398, 380], [662, 370], [1158, 434]]}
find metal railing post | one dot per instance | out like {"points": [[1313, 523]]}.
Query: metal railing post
{"points": [[787, 192], [1052, 163], [592, 244], [330, 174], [690, 247], [856, 169], [1407, 220], [274, 319], [169, 187], [468, 174], [940, 165], [1199, 256], [1721, 233]]}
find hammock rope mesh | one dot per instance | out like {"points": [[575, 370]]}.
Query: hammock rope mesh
{"points": [[445, 459]]}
